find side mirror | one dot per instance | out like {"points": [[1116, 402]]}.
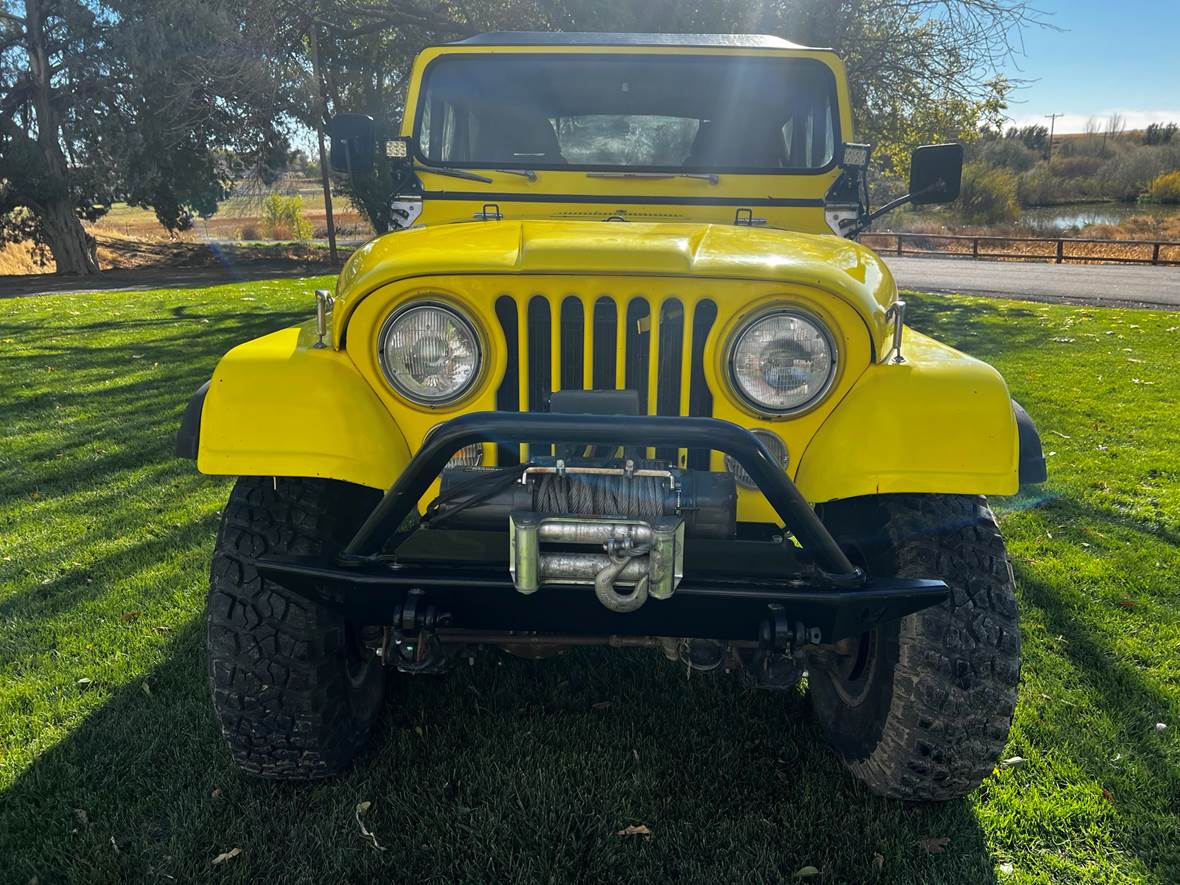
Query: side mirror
{"points": [[936, 172], [354, 141]]}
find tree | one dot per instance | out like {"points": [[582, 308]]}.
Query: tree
{"points": [[161, 104]]}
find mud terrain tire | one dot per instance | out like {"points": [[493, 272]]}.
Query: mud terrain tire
{"points": [[919, 709], [294, 692]]}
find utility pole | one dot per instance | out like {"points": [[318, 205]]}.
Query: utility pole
{"points": [[1052, 118]]}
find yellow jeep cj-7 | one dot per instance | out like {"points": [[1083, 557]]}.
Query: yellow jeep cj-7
{"points": [[620, 376]]}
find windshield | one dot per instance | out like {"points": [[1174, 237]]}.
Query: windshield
{"points": [[629, 113]]}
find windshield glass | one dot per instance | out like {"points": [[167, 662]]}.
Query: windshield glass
{"points": [[629, 112]]}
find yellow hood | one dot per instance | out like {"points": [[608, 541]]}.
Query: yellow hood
{"points": [[834, 265]]}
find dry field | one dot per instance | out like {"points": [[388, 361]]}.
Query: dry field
{"points": [[1139, 227], [131, 237]]}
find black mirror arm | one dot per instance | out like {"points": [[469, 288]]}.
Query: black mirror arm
{"points": [[864, 221]]}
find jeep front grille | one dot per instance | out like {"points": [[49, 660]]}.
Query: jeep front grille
{"points": [[666, 368]]}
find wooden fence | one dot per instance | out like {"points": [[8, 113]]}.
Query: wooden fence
{"points": [[1062, 249]]}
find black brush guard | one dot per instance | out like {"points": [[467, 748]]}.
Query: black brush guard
{"points": [[763, 588]]}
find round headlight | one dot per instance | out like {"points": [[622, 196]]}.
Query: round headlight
{"points": [[774, 445], [429, 353], [782, 361]]}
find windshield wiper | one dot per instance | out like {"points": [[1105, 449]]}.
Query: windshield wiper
{"points": [[454, 173], [527, 173], [700, 176]]}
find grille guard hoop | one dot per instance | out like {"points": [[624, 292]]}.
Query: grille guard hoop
{"points": [[381, 531]]}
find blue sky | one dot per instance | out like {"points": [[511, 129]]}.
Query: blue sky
{"points": [[1110, 56]]}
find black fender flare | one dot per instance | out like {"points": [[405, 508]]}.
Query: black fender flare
{"points": [[1032, 467], [188, 438]]}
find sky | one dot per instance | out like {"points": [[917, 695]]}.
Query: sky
{"points": [[1109, 56]]}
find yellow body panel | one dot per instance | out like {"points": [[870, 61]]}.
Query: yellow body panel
{"points": [[279, 407], [941, 422]]}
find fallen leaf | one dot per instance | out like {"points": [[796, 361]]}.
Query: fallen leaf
{"points": [[878, 861], [216, 794], [129, 616], [84, 681], [601, 705], [83, 819], [147, 689], [635, 753], [1161, 726], [226, 855], [1013, 762], [1108, 795], [361, 808], [1128, 603], [114, 845], [637, 830], [1006, 869], [933, 845], [805, 873]]}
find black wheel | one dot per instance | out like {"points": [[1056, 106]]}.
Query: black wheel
{"points": [[294, 689], [920, 708]]}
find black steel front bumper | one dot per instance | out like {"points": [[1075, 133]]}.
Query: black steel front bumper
{"points": [[798, 581]]}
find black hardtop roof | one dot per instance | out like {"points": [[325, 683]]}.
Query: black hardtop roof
{"points": [[588, 38]]}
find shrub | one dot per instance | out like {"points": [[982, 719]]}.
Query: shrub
{"points": [[1166, 188], [248, 231], [282, 218], [1040, 187], [988, 194], [1075, 167], [1126, 177], [1011, 153]]}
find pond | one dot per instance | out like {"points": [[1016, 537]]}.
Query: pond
{"points": [[1078, 215]]}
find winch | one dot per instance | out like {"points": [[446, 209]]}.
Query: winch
{"points": [[609, 523], [483, 498]]}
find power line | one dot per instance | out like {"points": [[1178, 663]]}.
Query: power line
{"points": [[1052, 118]]}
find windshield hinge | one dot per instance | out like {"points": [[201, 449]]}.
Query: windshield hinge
{"points": [[746, 218], [489, 212]]}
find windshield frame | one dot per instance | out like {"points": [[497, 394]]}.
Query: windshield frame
{"points": [[836, 93]]}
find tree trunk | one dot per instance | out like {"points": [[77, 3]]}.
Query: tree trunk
{"points": [[320, 114], [73, 249]]}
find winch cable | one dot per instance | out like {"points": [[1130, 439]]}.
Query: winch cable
{"points": [[483, 485], [634, 496]]}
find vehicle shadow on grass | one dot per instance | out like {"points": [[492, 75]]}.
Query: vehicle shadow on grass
{"points": [[505, 770]]}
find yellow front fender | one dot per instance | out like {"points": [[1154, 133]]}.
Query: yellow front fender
{"points": [[941, 422], [277, 406]]}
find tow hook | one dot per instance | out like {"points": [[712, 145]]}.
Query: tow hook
{"points": [[604, 582]]}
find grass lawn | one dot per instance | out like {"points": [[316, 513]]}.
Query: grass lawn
{"points": [[111, 768]]}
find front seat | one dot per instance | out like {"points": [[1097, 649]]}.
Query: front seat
{"points": [[733, 144], [517, 138]]}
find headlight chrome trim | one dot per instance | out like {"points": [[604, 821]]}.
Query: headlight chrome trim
{"points": [[464, 319], [735, 338]]}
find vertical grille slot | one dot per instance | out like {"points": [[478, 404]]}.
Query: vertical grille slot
{"points": [[606, 319], [572, 332], [508, 396], [539, 356], [700, 398], [638, 349], [540, 361], [670, 363]]}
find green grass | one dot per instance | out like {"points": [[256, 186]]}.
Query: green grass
{"points": [[112, 769]]}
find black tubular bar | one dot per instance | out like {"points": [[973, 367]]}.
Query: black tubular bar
{"points": [[475, 598], [514, 427]]}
